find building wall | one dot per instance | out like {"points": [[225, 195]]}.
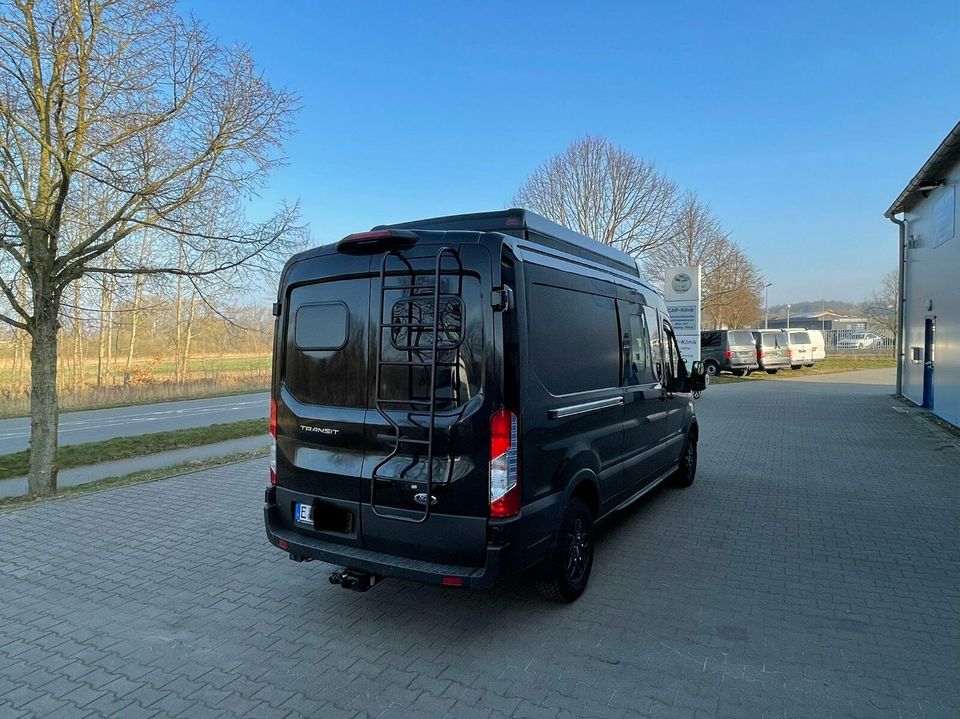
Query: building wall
{"points": [[933, 274]]}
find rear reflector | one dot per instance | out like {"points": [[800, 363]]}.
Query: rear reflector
{"points": [[376, 240], [452, 581], [282, 543], [504, 477]]}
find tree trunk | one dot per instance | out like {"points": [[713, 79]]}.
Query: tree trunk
{"points": [[78, 364], [189, 334], [44, 405], [134, 314]]}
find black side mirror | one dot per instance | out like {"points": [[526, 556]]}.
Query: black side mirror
{"points": [[697, 379]]}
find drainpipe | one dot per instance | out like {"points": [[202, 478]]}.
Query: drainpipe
{"points": [[901, 300]]}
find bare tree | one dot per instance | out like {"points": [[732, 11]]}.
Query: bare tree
{"points": [[605, 192], [880, 308], [126, 115], [730, 280]]}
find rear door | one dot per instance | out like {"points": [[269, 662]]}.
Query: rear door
{"points": [[322, 399], [394, 490], [742, 347]]}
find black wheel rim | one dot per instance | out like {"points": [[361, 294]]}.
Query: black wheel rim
{"points": [[690, 459], [578, 550]]}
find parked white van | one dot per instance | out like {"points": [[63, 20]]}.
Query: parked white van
{"points": [[799, 347], [818, 346]]}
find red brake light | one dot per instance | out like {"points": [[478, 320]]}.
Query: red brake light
{"points": [[451, 581], [360, 241], [728, 354], [273, 445], [504, 479]]}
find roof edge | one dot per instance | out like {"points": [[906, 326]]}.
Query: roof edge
{"points": [[947, 152]]}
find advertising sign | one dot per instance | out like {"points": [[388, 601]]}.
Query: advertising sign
{"points": [[681, 292]]}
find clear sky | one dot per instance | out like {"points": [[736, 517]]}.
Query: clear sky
{"points": [[798, 122]]}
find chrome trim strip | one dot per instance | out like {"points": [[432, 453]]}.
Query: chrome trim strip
{"points": [[584, 407]]}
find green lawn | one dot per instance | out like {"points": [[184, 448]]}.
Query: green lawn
{"points": [[76, 455]]}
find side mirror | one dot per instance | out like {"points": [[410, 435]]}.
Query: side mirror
{"points": [[697, 380]]}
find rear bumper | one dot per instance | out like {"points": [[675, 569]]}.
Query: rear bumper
{"points": [[387, 565]]}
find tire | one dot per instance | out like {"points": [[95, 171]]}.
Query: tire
{"points": [[795, 366], [687, 471], [567, 570], [711, 368], [737, 372], [809, 365], [748, 372], [772, 371]]}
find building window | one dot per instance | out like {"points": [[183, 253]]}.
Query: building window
{"points": [[916, 355]]}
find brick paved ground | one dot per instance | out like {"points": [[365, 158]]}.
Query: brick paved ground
{"points": [[813, 570]]}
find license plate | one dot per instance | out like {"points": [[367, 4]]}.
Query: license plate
{"points": [[303, 513]]}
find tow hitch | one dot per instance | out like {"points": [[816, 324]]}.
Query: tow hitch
{"points": [[355, 579]]}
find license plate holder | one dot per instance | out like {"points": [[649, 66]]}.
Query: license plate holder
{"points": [[303, 513]]}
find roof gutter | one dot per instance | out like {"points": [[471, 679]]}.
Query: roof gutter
{"points": [[901, 266]]}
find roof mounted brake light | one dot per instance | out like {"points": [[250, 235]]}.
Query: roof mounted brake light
{"points": [[376, 240]]}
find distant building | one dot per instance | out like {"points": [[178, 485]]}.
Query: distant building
{"points": [[928, 371], [826, 321]]}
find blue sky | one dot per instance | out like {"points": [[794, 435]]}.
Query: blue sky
{"points": [[799, 123]]}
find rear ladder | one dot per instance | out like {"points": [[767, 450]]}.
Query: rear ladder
{"points": [[423, 414]]}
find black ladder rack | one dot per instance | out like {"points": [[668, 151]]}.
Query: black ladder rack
{"points": [[426, 409]]}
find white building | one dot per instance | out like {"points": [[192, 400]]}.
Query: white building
{"points": [[928, 372]]}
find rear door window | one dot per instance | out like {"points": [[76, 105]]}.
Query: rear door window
{"points": [[740, 339], [325, 358]]}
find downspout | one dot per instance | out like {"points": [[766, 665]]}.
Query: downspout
{"points": [[901, 300]]}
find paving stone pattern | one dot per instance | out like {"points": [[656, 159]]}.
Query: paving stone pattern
{"points": [[813, 570]]}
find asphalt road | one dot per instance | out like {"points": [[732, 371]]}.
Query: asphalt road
{"points": [[99, 424]]}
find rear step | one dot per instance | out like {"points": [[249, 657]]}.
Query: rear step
{"points": [[355, 579]]}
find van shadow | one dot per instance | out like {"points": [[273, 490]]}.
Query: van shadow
{"points": [[397, 613]]}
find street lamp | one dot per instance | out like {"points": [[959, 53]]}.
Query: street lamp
{"points": [[766, 305], [788, 316]]}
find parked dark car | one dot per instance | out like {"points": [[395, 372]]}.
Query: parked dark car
{"points": [[461, 398], [771, 350], [728, 351]]}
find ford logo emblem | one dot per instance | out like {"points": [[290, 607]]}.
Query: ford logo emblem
{"points": [[421, 498]]}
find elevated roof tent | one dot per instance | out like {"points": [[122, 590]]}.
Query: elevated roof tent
{"points": [[533, 228]]}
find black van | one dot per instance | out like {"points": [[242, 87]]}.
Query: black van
{"points": [[459, 398]]}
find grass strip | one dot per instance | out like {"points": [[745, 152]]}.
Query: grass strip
{"points": [[78, 455], [144, 475], [831, 365]]}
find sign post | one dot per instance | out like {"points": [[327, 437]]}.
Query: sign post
{"points": [[681, 293]]}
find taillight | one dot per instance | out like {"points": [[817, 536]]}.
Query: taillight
{"points": [[504, 479], [728, 354], [789, 353], [761, 354], [273, 444]]}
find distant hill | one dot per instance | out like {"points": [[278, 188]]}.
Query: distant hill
{"points": [[805, 309]]}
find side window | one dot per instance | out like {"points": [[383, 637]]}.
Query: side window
{"points": [[670, 350], [656, 355], [576, 339], [710, 339], [638, 365]]}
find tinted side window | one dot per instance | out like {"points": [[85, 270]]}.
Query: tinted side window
{"points": [[638, 360], [575, 339], [656, 355], [671, 352], [710, 339]]}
